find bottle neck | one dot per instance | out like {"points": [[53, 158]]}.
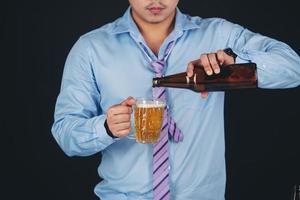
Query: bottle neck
{"points": [[163, 82]]}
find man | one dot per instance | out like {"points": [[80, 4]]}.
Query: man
{"points": [[109, 66]]}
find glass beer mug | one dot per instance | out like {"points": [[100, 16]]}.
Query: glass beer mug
{"points": [[148, 119]]}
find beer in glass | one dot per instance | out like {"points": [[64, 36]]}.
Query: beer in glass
{"points": [[148, 118]]}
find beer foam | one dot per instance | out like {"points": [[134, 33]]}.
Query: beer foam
{"points": [[150, 105]]}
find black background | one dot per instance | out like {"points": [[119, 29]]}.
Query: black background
{"points": [[262, 136]]}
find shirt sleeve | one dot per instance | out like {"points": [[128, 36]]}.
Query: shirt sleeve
{"points": [[278, 66], [78, 119]]}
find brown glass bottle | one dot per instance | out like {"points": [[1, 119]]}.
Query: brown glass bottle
{"points": [[235, 76]]}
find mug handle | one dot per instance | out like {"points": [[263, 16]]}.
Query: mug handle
{"points": [[131, 135]]}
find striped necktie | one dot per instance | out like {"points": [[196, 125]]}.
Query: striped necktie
{"points": [[161, 188]]}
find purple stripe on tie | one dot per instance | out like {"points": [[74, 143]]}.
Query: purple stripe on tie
{"points": [[162, 146], [157, 67], [164, 125], [161, 94], [168, 49], [161, 62], [163, 194], [178, 136], [157, 91], [158, 152], [171, 128], [161, 156], [159, 193], [163, 165], [162, 180], [163, 138], [174, 129], [158, 64], [159, 175], [166, 196], [181, 136], [163, 188], [162, 171], [159, 183]]}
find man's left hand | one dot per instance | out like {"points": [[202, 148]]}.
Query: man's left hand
{"points": [[211, 63]]}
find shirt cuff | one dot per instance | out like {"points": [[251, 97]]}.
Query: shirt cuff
{"points": [[100, 130], [229, 52], [108, 130], [242, 57]]}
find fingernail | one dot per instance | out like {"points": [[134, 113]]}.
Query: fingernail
{"points": [[209, 72], [217, 71]]}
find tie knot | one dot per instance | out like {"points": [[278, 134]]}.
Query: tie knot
{"points": [[158, 66]]}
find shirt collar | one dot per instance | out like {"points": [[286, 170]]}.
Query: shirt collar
{"points": [[126, 24]]}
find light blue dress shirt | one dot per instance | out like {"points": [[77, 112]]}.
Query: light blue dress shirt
{"points": [[107, 65]]}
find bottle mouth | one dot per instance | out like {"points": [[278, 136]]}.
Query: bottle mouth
{"points": [[155, 82]]}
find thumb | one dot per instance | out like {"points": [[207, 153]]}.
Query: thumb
{"points": [[128, 102]]}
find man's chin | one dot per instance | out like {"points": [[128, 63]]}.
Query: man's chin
{"points": [[155, 20]]}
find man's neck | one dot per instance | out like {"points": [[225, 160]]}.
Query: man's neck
{"points": [[155, 33]]}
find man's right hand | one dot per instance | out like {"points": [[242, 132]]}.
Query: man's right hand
{"points": [[119, 118]]}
